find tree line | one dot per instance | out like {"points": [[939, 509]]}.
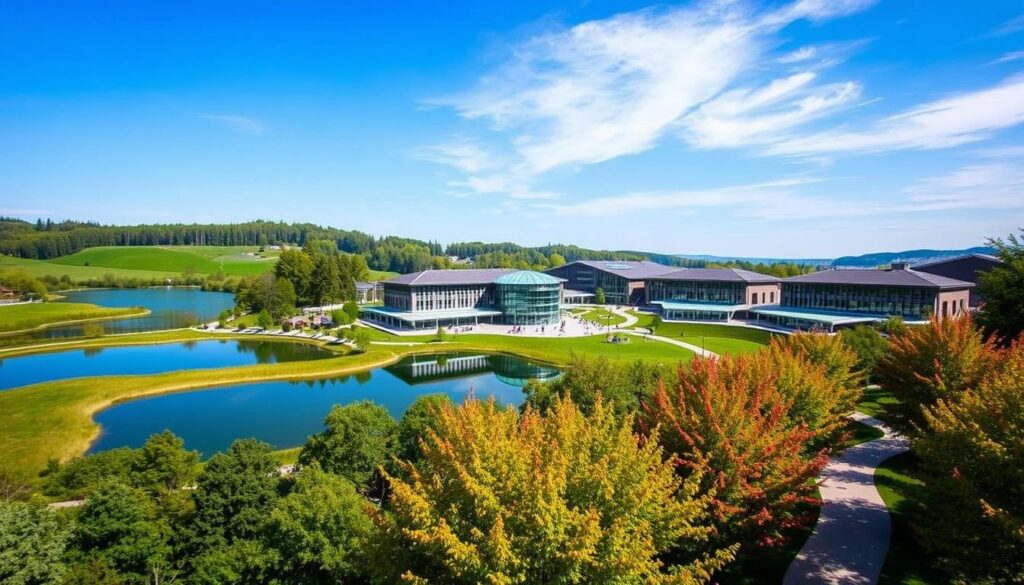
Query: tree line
{"points": [[46, 240]]}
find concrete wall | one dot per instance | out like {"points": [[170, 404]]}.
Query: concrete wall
{"points": [[956, 302], [761, 294]]}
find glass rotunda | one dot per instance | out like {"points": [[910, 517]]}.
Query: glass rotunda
{"points": [[529, 298]]}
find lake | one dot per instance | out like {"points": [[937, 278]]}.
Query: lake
{"points": [[151, 359], [170, 308], [284, 414]]}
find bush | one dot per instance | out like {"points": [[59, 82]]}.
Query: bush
{"points": [[940, 361], [359, 439], [727, 420], [560, 497], [972, 451], [264, 320], [869, 346], [624, 386]]}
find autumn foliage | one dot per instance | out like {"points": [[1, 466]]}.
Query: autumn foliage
{"points": [[972, 451], [940, 361], [559, 497], [732, 422]]}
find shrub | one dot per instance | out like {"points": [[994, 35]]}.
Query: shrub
{"points": [[358, 439], [622, 385], [869, 346], [940, 361], [727, 421], [501, 497], [972, 451]]}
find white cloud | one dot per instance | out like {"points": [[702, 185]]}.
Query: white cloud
{"points": [[800, 55], [746, 117], [497, 184], [240, 124], [464, 154], [1008, 57], [943, 123], [609, 88], [997, 185]]}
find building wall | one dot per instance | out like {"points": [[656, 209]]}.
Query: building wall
{"points": [[911, 302], [433, 298], [952, 303], [617, 289], [968, 269], [763, 294]]}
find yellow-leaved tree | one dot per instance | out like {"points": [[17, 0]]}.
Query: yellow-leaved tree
{"points": [[559, 497]]}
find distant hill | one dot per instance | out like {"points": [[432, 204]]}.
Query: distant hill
{"points": [[912, 256], [712, 258]]}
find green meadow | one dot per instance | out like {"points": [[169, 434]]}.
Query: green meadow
{"points": [[33, 315]]}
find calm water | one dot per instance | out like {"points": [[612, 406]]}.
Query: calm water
{"points": [[285, 413], [150, 359], [170, 308]]}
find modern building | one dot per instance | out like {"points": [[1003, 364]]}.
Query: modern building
{"points": [[621, 281], [837, 298], [710, 294], [967, 268], [433, 298]]}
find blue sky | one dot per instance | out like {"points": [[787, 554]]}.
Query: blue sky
{"points": [[806, 128]]}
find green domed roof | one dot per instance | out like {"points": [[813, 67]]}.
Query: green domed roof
{"points": [[526, 277]]}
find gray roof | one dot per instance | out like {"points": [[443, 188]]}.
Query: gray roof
{"points": [[880, 278], [631, 269], [989, 257], [718, 275], [360, 285], [451, 277]]}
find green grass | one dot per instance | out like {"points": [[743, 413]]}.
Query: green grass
{"points": [[149, 262], [877, 402], [860, 433], [602, 317], [642, 319], [720, 339], [901, 492], [30, 316]]}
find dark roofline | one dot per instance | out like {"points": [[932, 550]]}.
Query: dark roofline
{"points": [[708, 275], [875, 277], [955, 258]]}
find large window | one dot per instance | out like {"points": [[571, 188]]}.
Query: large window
{"points": [[906, 301], [726, 293], [529, 304]]}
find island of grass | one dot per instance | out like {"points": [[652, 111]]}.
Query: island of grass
{"points": [[602, 317], [53, 420], [26, 316]]}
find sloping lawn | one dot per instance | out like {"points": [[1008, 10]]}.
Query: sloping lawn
{"points": [[721, 339], [29, 316]]}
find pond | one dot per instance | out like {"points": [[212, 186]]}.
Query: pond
{"points": [[284, 414], [170, 308], [151, 359]]}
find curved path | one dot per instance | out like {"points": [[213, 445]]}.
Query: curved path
{"points": [[851, 538]]}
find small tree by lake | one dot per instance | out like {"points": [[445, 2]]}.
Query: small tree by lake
{"points": [[599, 296]]}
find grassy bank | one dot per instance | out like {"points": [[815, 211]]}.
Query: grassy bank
{"points": [[54, 419], [720, 339], [602, 317], [34, 315]]}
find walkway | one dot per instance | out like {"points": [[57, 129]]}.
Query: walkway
{"points": [[694, 348], [851, 538]]}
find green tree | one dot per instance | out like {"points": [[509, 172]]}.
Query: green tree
{"points": [[417, 419], [320, 530], [222, 318], [352, 308], [562, 497], [296, 267], [32, 543], [236, 491], [972, 452], [869, 346], [599, 296], [359, 438], [361, 338], [440, 334], [340, 317], [1002, 288], [589, 379], [656, 322], [940, 361], [324, 281], [264, 319], [163, 464], [555, 260], [121, 525], [82, 475]]}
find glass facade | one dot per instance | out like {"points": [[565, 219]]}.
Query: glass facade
{"points": [[529, 304], [588, 278], [696, 315], [727, 293], [907, 301]]}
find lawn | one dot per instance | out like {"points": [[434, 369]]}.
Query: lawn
{"points": [[602, 317], [720, 339], [149, 262], [30, 316]]}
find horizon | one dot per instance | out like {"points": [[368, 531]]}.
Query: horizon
{"points": [[737, 129]]}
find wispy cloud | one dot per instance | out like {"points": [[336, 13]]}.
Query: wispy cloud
{"points": [[464, 154], [240, 124], [1009, 27], [947, 122], [1008, 57], [610, 88]]}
